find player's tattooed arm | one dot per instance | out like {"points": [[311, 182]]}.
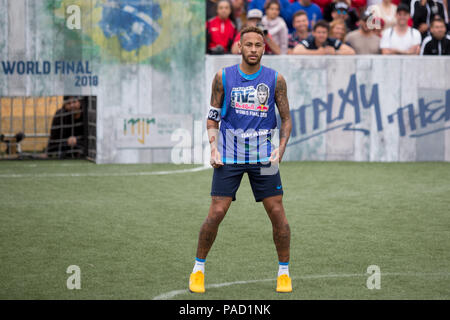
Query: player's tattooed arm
{"points": [[283, 108], [217, 96], [217, 93], [212, 126]]}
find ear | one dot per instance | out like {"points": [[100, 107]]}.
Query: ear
{"points": [[240, 46]]}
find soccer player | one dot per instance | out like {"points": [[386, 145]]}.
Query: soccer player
{"points": [[243, 102]]}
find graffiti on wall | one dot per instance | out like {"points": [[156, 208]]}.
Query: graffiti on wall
{"points": [[424, 118], [150, 131], [139, 127], [133, 31]]}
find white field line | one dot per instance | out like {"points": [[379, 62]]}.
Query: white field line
{"points": [[171, 294], [99, 174]]}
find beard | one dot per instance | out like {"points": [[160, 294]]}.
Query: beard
{"points": [[251, 63]]}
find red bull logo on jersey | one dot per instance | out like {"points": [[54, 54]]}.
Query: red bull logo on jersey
{"points": [[251, 99]]}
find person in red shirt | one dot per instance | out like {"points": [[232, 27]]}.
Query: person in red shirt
{"points": [[220, 29]]}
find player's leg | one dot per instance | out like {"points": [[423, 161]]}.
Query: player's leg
{"points": [[268, 189], [266, 186], [226, 181], [208, 232], [281, 238], [280, 226]]}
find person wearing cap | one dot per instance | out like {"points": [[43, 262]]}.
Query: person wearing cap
{"points": [[340, 10], [254, 18], [438, 42], [385, 10], [364, 40], [401, 39], [312, 10], [67, 134], [320, 44]]}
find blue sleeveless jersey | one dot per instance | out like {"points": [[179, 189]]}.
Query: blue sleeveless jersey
{"points": [[248, 116]]}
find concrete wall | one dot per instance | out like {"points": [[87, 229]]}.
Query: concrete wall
{"points": [[146, 65], [144, 60], [363, 108]]}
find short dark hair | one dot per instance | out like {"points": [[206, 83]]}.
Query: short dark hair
{"points": [[403, 7], [251, 29], [323, 24], [270, 2], [299, 13], [437, 19]]}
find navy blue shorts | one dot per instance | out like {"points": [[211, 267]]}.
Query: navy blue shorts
{"points": [[227, 178]]}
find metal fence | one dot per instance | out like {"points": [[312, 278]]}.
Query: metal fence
{"points": [[26, 125]]}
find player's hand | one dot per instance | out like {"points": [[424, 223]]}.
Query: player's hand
{"points": [[277, 155], [215, 160], [329, 50], [413, 50], [321, 50], [72, 141]]}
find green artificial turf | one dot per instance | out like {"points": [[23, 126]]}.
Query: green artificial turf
{"points": [[134, 235]]}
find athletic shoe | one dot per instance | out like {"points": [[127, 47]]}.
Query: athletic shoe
{"points": [[284, 283], [197, 282]]}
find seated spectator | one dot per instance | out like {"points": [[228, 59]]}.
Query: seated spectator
{"points": [[338, 29], [341, 10], [364, 40], [385, 10], [275, 25], [221, 30], [423, 11], [320, 44], [312, 10], [254, 18], [285, 9], [300, 23], [401, 39], [438, 42], [328, 10], [67, 134], [240, 16]]}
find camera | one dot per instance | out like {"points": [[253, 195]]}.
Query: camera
{"points": [[263, 28], [217, 50]]}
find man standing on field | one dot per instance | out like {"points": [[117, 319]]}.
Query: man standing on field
{"points": [[243, 102]]}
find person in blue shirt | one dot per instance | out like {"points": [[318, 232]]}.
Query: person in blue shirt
{"points": [[241, 126], [312, 10], [285, 10]]}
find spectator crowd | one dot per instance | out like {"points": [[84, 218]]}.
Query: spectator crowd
{"points": [[328, 27]]}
